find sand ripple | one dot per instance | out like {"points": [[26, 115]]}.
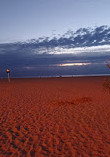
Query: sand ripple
{"points": [[65, 117]]}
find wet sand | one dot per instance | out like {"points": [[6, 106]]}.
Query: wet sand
{"points": [[52, 117]]}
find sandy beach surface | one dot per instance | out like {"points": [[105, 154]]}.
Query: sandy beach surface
{"points": [[52, 117]]}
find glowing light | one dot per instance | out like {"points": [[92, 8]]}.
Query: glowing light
{"points": [[8, 71], [73, 64]]}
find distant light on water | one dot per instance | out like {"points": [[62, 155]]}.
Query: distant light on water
{"points": [[73, 64]]}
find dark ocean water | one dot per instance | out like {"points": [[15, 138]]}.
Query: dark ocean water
{"points": [[57, 76]]}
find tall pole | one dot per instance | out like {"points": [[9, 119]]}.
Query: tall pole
{"points": [[8, 77], [8, 71]]}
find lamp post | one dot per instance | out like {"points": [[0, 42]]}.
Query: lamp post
{"points": [[8, 71]]}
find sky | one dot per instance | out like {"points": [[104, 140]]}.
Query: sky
{"points": [[22, 20], [28, 19]]}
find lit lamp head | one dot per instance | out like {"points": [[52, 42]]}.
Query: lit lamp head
{"points": [[8, 71]]}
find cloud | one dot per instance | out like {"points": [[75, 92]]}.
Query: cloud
{"points": [[23, 64], [92, 50], [85, 52]]}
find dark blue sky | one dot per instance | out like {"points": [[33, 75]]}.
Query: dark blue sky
{"points": [[26, 19]]}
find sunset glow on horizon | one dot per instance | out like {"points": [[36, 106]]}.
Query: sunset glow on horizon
{"points": [[74, 64]]}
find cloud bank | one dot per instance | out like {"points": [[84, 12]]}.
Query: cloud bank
{"points": [[84, 52]]}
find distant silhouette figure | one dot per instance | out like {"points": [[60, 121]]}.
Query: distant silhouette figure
{"points": [[8, 71]]}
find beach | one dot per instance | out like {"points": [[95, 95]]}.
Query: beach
{"points": [[52, 117]]}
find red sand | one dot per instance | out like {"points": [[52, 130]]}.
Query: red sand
{"points": [[67, 117]]}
